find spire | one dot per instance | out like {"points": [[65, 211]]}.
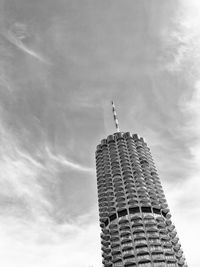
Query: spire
{"points": [[115, 116]]}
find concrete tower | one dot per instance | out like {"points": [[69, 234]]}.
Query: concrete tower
{"points": [[136, 226]]}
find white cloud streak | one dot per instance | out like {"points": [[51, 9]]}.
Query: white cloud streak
{"points": [[60, 159], [10, 36], [185, 198], [29, 236]]}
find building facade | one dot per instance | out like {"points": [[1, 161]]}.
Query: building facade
{"points": [[136, 226]]}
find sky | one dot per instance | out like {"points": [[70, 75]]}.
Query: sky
{"points": [[61, 64]]}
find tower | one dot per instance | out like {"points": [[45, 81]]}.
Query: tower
{"points": [[136, 226]]}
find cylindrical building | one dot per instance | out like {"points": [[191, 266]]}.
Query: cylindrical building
{"points": [[136, 227]]}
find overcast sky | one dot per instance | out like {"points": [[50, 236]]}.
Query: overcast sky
{"points": [[61, 63]]}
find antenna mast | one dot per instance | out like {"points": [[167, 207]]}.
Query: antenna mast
{"points": [[115, 117]]}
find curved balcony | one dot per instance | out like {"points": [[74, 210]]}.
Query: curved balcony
{"points": [[142, 261], [145, 202], [152, 230], [171, 261], [105, 243], [160, 219], [173, 234], [127, 247], [171, 227], [117, 179], [103, 214], [123, 153], [154, 242], [116, 173], [181, 262], [105, 232], [119, 189], [168, 222], [130, 263], [164, 206], [155, 203], [115, 246], [103, 209], [148, 217], [129, 243], [165, 238], [111, 202], [106, 255], [125, 228], [101, 182], [111, 147], [114, 232], [123, 221], [137, 224], [170, 253], [120, 206], [101, 190], [110, 195], [160, 258], [131, 196], [131, 190], [121, 199], [119, 194], [127, 177], [113, 226], [105, 237], [167, 245], [117, 259], [149, 224], [140, 240], [142, 252], [153, 235], [126, 168], [157, 251], [133, 203], [111, 210], [108, 258], [106, 251], [163, 232], [116, 252], [116, 176], [126, 240], [107, 263], [118, 183], [126, 234], [177, 247], [114, 239], [129, 257], [136, 218], [161, 225], [138, 231]]}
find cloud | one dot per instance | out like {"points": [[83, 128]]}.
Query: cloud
{"points": [[47, 244], [16, 37], [60, 159], [30, 235], [98, 51], [183, 196], [20, 191]]}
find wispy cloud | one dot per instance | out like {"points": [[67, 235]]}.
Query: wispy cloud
{"points": [[20, 190], [29, 235], [18, 42], [60, 159], [184, 45]]}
